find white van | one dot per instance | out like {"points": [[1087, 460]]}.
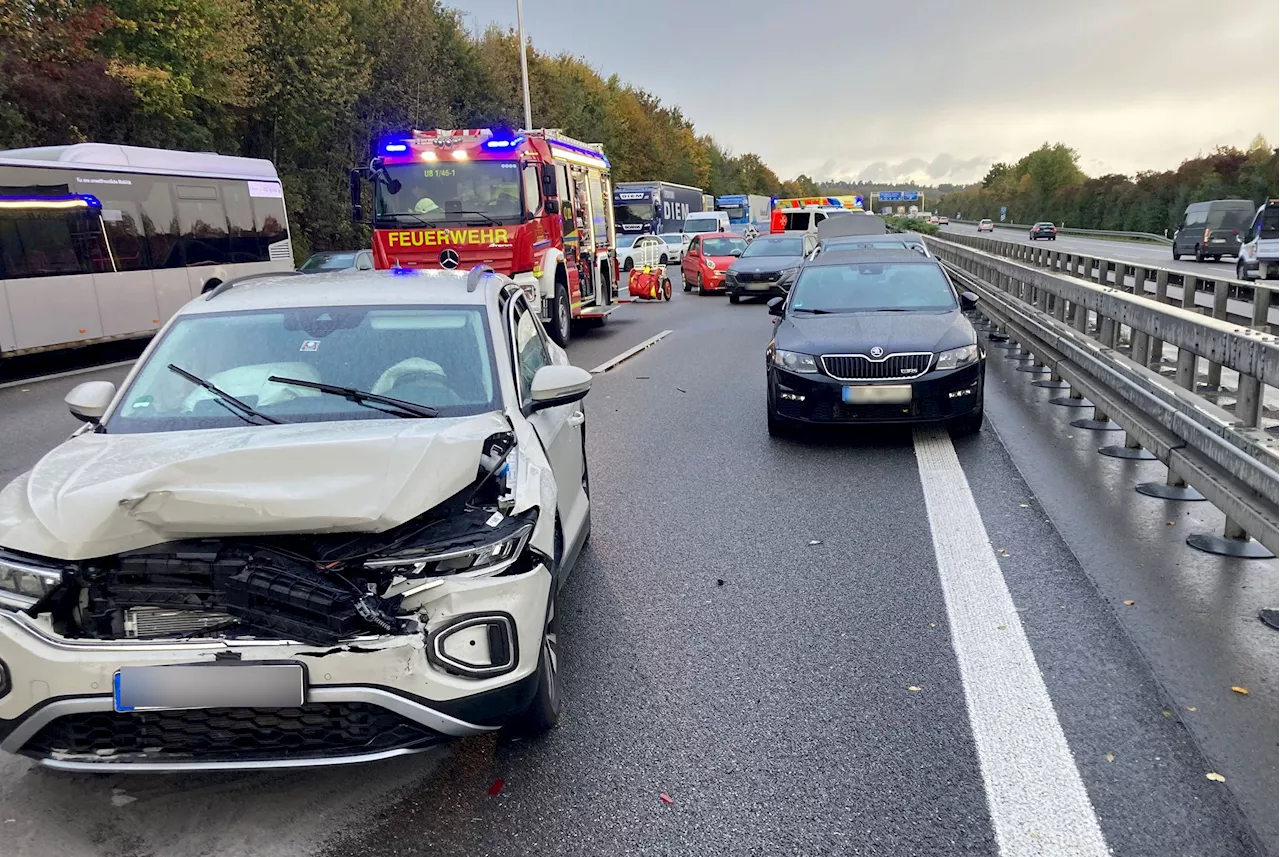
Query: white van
{"points": [[1261, 245], [803, 219], [704, 221]]}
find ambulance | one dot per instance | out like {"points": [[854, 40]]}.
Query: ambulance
{"points": [[534, 205]]}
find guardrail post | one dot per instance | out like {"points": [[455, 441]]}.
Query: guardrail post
{"points": [[1075, 398], [1140, 281], [1174, 487], [1189, 292], [1221, 291], [1234, 541], [1261, 309], [1161, 296]]}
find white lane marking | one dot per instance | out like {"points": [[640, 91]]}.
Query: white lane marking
{"points": [[68, 374], [629, 353], [1038, 803]]}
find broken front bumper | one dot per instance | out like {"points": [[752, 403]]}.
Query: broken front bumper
{"points": [[363, 700]]}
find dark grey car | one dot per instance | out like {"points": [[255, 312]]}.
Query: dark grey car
{"points": [[1211, 230], [768, 265]]}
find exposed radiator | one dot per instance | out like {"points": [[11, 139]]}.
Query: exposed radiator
{"points": [[147, 622]]}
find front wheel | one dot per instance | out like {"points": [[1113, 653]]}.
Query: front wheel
{"points": [[733, 297], [627, 264], [543, 712], [561, 316], [663, 260], [969, 424]]}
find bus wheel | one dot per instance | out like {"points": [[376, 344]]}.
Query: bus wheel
{"points": [[560, 316]]}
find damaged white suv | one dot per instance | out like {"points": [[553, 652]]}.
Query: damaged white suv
{"points": [[324, 521]]}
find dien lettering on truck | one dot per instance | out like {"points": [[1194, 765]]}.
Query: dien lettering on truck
{"points": [[443, 237]]}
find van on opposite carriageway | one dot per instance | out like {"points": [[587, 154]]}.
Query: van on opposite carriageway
{"points": [[1212, 229]]}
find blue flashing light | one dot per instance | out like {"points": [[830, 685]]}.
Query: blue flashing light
{"points": [[403, 272], [392, 148], [501, 142]]}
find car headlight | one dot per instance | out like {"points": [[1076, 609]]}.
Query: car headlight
{"points": [[31, 582], [958, 358], [788, 273], [710, 263], [794, 361], [482, 558]]}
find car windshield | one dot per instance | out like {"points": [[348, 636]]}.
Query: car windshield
{"points": [[703, 224], [466, 192], [672, 238], [774, 247], [1043, 225], [625, 241], [723, 246], [866, 244], [329, 262], [871, 287], [435, 356]]}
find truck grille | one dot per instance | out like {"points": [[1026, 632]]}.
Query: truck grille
{"points": [[860, 367], [242, 734]]}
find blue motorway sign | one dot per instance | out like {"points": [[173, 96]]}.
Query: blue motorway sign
{"points": [[910, 195], [890, 196]]}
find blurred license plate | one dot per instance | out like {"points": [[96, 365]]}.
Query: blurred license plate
{"points": [[256, 686], [878, 395], [759, 287], [1218, 241]]}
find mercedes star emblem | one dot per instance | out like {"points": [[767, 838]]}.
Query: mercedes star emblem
{"points": [[449, 258], [876, 352]]}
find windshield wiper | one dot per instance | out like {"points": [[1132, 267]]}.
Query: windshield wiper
{"points": [[814, 311], [225, 399], [487, 217], [399, 406]]}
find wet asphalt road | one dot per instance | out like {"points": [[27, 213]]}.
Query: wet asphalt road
{"points": [[758, 631]]}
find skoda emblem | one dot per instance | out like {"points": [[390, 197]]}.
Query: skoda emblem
{"points": [[876, 352], [449, 258]]}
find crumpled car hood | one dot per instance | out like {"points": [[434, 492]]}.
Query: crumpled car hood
{"points": [[100, 494]]}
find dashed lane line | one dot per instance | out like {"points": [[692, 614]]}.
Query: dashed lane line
{"points": [[1038, 803], [629, 353]]}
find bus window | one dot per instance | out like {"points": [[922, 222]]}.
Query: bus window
{"points": [[203, 224], [159, 222], [244, 245], [39, 241], [123, 224], [270, 225]]}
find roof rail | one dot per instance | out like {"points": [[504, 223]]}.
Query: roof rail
{"points": [[478, 273], [235, 281]]}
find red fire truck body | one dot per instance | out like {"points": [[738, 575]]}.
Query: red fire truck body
{"points": [[534, 205]]}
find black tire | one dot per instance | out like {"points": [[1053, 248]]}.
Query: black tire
{"points": [[1053, 237], [663, 260], [628, 264], [1241, 273], [1217, 257], [544, 709], [969, 424], [685, 282], [780, 427], [1199, 253], [561, 316], [733, 298], [1177, 257]]}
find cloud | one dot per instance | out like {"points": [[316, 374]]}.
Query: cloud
{"points": [[943, 168]]}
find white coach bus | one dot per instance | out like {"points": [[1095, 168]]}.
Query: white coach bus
{"points": [[101, 242]]}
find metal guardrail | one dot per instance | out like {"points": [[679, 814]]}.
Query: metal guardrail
{"points": [[1085, 233], [1103, 342], [1247, 302]]}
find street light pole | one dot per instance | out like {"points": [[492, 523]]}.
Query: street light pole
{"points": [[524, 64]]}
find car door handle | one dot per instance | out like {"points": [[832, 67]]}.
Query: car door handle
{"points": [[577, 418]]}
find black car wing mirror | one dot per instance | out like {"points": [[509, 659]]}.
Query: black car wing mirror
{"points": [[968, 301], [775, 306]]}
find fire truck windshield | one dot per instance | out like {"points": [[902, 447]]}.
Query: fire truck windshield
{"points": [[454, 192]]}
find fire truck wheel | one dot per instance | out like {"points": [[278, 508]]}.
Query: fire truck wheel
{"points": [[561, 316]]}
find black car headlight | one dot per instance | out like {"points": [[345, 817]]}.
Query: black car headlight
{"points": [[958, 358], [794, 361], [23, 583], [786, 275], [485, 554]]}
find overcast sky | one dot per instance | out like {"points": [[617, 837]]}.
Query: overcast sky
{"points": [[929, 90]]}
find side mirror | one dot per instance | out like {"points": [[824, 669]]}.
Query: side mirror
{"points": [[735, 252], [559, 385], [775, 306], [968, 301], [90, 400]]}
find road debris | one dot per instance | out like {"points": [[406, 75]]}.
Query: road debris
{"points": [[1243, 691], [1110, 757], [496, 788], [1217, 778], [665, 798]]}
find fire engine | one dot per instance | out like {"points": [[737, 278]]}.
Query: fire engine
{"points": [[534, 205]]}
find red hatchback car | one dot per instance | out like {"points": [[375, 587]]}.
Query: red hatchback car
{"points": [[708, 257]]}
